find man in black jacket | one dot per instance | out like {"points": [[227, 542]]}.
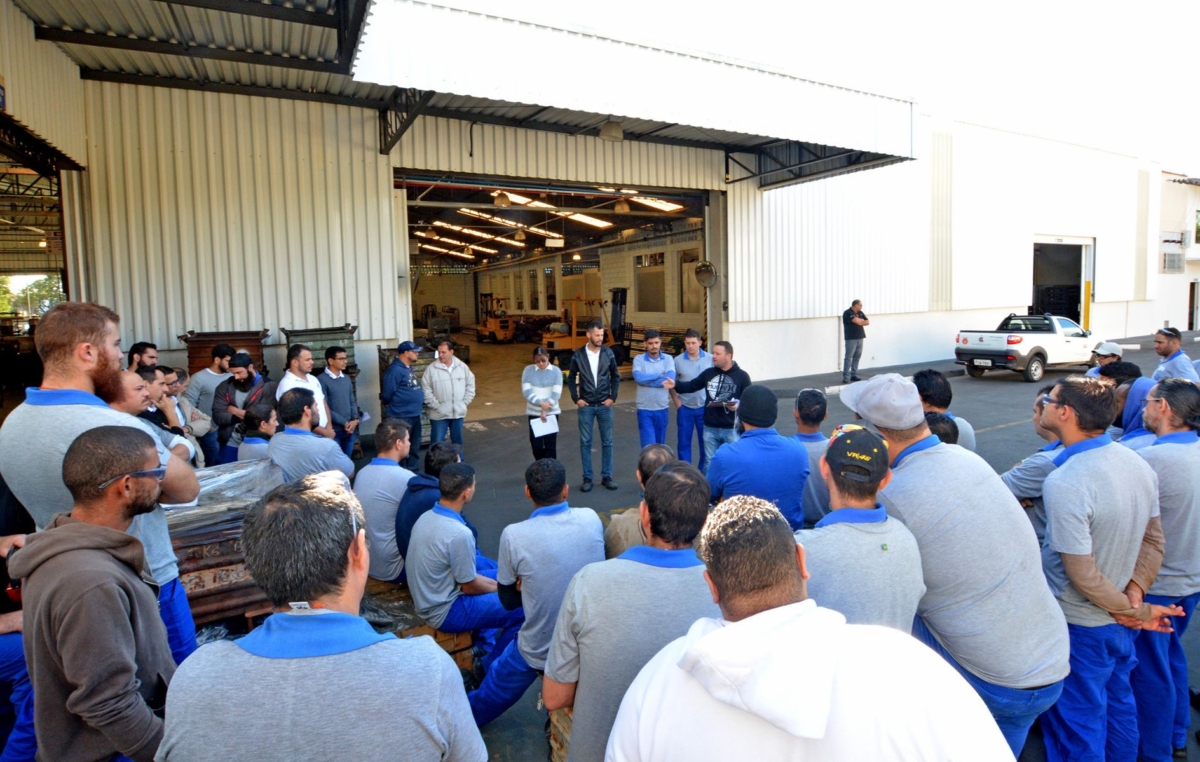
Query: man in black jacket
{"points": [[723, 385], [593, 383], [244, 388]]}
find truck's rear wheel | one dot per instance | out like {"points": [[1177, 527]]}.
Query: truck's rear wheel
{"points": [[975, 372], [1035, 369]]}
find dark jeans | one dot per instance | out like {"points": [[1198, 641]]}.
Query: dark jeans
{"points": [[543, 447], [853, 353], [413, 460], [602, 415], [210, 447], [437, 431], [345, 441]]}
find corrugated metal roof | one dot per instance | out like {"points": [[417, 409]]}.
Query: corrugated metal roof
{"points": [[617, 78]]}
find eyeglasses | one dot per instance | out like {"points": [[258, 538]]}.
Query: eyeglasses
{"points": [[1150, 399], [1048, 400], [156, 473]]}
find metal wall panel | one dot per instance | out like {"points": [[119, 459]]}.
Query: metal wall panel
{"points": [[941, 222], [225, 212], [42, 85], [453, 145]]}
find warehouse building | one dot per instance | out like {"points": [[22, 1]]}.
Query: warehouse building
{"points": [[231, 166]]}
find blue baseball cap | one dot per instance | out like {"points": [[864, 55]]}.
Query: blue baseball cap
{"points": [[408, 346]]}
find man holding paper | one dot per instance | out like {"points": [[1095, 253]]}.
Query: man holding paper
{"points": [[723, 385]]}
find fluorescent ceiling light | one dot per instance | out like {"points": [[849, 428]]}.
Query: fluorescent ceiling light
{"points": [[510, 223], [479, 234], [657, 203], [456, 242], [447, 252], [517, 198]]}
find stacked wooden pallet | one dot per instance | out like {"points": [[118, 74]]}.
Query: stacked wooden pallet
{"points": [[672, 339]]}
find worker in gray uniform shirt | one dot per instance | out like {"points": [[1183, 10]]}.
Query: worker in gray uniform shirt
{"points": [[296, 449]]}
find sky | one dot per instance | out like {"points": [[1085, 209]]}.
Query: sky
{"points": [[1101, 74]]}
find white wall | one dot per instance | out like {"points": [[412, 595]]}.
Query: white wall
{"points": [[41, 84]]}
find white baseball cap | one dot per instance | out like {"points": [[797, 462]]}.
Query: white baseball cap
{"points": [[890, 401], [1108, 348]]}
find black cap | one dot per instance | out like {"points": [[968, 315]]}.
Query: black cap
{"points": [[857, 454], [758, 406]]}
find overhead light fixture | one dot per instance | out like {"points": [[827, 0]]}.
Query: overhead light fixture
{"points": [[575, 257], [519, 235], [612, 131], [621, 207], [507, 222], [502, 199], [476, 233], [657, 203], [447, 252], [42, 243], [517, 198]]}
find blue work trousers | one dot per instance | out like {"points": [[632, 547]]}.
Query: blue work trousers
{"points": [[506, 682], [1013, 709], [603, 416], [687, 420], [345, 441], [21, 745], [495, 625], [652, 426], [227, 454], [177, 616], [437, 431], [1095, 719], [713, 439], [1160, 684], [210, 445]]}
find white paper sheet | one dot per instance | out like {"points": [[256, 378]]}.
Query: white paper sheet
{"points": [[542, 428]]}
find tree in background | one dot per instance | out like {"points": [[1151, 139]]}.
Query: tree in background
{"points": [[38, 297], [5, 295]]}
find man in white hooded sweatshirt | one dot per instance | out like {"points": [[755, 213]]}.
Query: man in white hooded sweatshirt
{"points": [[735, 688]]}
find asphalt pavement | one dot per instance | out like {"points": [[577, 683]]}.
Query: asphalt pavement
{"points": [[999, 406]]}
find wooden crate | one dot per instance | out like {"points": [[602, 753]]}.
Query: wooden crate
{"points": [[457, 644], [200, 346], [320, 339]]}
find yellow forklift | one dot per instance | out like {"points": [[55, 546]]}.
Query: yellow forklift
{"points": [[495, 325], [563, 338]]}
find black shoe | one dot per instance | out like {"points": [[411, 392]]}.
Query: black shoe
{"points": [[609, 483], [1180, 753], [854, 378], [587, 486]]}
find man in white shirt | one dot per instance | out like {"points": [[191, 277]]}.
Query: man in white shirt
{"points": [[299, 375], [732, 688]]}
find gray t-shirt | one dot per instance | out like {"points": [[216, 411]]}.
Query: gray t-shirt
{"points": [[33, 442], [966, 433], [1097, 503], [1177, 465], [545, 551], [441, 556], [396, 699], [870, 571], [300, 453], [985, 601], [615, 616], [253, 448], [379, 487], [815, 499], [1025, 480], [202, 387]]}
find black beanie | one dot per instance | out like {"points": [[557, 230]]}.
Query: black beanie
{"points": [[759, 406]]}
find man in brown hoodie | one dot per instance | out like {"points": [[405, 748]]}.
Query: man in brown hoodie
{"points": [[96, 646]]}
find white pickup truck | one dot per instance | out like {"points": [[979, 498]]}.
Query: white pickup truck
{"points": [[1026, 344]]}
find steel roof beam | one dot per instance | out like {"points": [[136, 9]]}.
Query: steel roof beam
{"points": [[263, 10], [74, 37], [219, 87]]}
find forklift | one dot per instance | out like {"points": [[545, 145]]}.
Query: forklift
{"points": [[494, 323], [562, 339]]}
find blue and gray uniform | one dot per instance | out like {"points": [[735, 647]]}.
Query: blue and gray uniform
{"points": [[1178, 365]]}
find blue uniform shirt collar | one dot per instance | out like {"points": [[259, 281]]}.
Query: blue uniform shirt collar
{"points": [[299, 636], [1178, 353], [818, 437], [1078, 447], [1178, 437], [442, 510], [1051, 447], [299, 432], [924, 444], [36, 396], [949, 415], [255, 439], [666, 559], [551, 510], [854, 516], [383, 462], [759, 433]]}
